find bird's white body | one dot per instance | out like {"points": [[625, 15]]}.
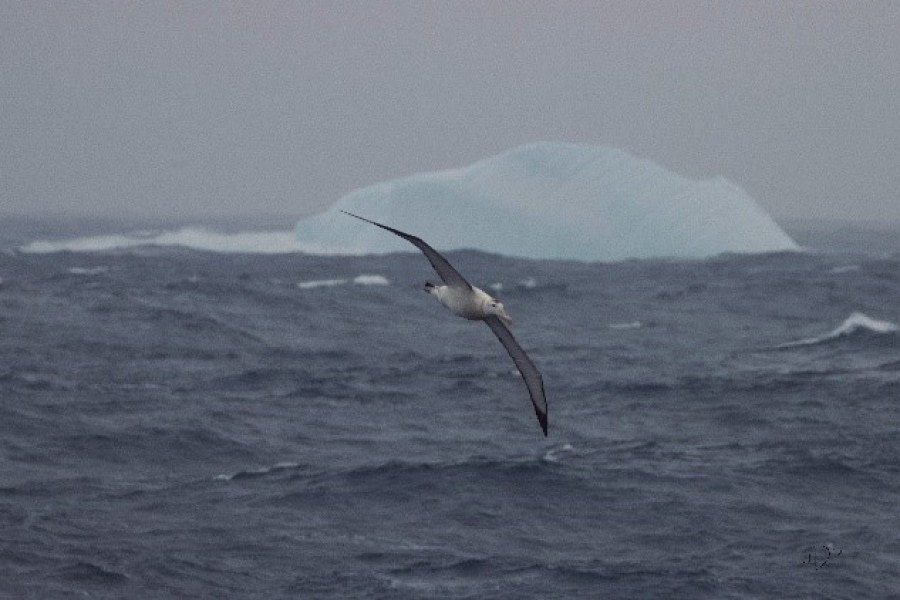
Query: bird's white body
{"points": [[473, 304]]}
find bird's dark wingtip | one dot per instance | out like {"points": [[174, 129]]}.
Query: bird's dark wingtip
{"points": [[391, 229], [363, 219], [542, 419]]}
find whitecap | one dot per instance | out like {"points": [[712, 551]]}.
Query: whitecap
{"points": [[363, 279], [371, 280], [845, 269], [317, 283], [553, 455], [630, 325], [281, 466], [856, 323], [99, 270], [197, 238], [859, 321]]}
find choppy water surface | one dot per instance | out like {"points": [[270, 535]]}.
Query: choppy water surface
{"points": [[179, 423]]}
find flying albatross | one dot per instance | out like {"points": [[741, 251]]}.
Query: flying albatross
{"points": [[467, 301]]}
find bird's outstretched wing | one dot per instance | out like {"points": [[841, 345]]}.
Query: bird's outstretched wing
{"points": [[530, 374], [444, 269]]}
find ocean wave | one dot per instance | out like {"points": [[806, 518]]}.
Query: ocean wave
{"points": [[98, 270], [358, 280], [259, 472], [465, 471], [196, 238], [760, 380], [402, 480], [845, 269], [855, 325], [527, 284], [630, 325], [893, 365], [87, 572], [317, 283], [554, 454], [370, 280]]}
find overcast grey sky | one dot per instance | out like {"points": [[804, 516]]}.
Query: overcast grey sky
{"points": [[185, 108]]}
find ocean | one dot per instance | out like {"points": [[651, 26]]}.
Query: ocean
{"points": [[180, 423]]}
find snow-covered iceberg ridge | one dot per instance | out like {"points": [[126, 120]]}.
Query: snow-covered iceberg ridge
{"points": [[554, 200]]}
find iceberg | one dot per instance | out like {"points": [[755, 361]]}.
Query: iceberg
{"points": [[553, 201]]}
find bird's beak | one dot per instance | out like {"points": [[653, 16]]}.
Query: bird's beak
{"points": [[504, 316]]}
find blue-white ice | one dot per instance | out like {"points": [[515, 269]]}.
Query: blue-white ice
{"points": [[553, 200]]}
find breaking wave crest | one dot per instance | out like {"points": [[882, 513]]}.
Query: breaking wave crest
{"points": [[196, 238], [855, 325], [251, 473], [358, 280]]}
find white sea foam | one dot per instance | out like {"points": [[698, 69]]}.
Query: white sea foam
{"points": [[99, 270], [529, 283], [845, 269], [630, 325], [554, 454], [317, 283], [363, 279], [252, 242], [371, 280], [856, 323], [257, 472]]}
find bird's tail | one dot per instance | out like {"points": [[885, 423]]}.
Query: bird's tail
{"points": [[429, 286]]}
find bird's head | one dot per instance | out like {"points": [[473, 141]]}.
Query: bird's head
{"points": [[495, 307]]}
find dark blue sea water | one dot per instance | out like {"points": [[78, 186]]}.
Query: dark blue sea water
{"points": [[185, 424]]}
